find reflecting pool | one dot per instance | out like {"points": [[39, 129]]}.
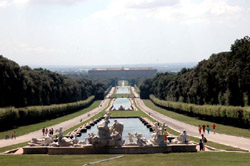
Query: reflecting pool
{"points": [[131, 125], [122, 90], [122, 102]]}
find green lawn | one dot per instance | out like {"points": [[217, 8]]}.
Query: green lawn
{"points": [[172, 159], [195, 121], [6, 148], [21, 130]]}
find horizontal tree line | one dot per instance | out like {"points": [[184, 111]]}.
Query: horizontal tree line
{"points": [[232, 115], [11, 116]]}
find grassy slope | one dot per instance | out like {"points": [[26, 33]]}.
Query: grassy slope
{"points": [[173, 159], [4, 149], [21, 130], [194, 121]]}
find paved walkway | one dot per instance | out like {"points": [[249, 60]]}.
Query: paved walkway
{"points": [[66, 125], [234, 141]]}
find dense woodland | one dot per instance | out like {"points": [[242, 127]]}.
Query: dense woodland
{"points": [[223, 79], [23, 86]]}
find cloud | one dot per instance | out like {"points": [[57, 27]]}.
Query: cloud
{"points": [[149, 4], [38, 50], [3, 4], [179, 11], [63, 2], [20, 1], [55, 1]]}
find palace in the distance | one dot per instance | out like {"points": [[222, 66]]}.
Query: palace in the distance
{"points": [[123, 73]]}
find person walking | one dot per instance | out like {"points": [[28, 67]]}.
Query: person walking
{"points": [[204, 128], [208, 129], [7, 135], [214, 126], [46, 131], [201, 145], [199, 128], [52, 131], [13, 135], [43, 131]]}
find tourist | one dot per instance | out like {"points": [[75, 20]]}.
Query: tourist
{"points": [[214, 128], [204, 140], [51, 131], [201, 145], [46, 131], [7, 135], [185, 136], [204, 128], [166, 135], [13, 135], [199, 128], [208, 129], [43, 130]]}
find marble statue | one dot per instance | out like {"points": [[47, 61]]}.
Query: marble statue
{"points": [[107, 136], [130, 137], [118, 126], [183, 138], [158, 138], [45, 141], [141, 141]]}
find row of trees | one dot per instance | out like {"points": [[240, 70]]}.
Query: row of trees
{"points": [[222, 79], [11, 116], [23, 86], [232, 115]]}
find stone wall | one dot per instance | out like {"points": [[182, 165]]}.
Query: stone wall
{"points": [[113, 150]]}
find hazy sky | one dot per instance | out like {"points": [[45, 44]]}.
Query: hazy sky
{"points": [[109, 32]]}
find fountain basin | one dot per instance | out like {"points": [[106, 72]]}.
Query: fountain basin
{"points": [[110, 150]]}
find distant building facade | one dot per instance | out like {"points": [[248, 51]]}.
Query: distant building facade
{"points": [[123, 73]]}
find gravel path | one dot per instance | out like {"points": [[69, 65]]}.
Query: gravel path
{"points": [[233, 141], [66, 125]]}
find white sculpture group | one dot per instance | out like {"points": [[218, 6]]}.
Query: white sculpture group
{"points": [[60, 141], [107, 136], [157, 138], [110, 137]]}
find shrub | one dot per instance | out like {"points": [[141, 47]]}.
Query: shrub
{"points": [[11, 116], [232, 115]]}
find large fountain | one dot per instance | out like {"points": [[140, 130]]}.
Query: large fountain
{"points": [[109, 139]]}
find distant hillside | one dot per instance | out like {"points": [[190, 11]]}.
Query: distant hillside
{"points": [[222, 79], [22, 86]]}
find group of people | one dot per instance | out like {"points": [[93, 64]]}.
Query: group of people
{"points": [[47, 131], [206, 127], [13, 136]]}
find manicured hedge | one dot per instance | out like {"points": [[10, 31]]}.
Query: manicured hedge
{"points": [[232, 115], [11, 116]]}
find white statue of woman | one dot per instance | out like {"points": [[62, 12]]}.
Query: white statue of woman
{"points": [[130, 137]]}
